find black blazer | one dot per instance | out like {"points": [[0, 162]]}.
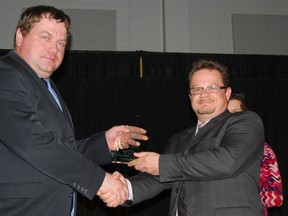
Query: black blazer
{"points": [[41, 163], [220, 168]]}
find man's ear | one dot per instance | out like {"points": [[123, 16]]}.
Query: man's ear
{"points": [[18, 37], [228, 93]]}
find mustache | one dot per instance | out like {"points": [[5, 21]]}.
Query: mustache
{"points": [[202, 101]]}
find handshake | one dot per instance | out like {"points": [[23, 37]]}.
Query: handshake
{"points": [[114, 190]]}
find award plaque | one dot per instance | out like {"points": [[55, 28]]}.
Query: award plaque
{"points": [[126, 155]]}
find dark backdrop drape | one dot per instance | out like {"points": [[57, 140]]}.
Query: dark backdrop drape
{"points": [[103, 89]]}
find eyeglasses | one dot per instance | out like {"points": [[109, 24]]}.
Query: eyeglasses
{"points": [[209, 89]]}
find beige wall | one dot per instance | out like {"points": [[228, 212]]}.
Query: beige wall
{"points": [[197, 26]]}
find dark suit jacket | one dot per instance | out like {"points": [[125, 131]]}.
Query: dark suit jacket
{"points": [[219, 168], [41, 163]]}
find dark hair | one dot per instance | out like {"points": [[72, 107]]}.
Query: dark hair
{"points": [[211, 65], [240, 97], [36, 13]]}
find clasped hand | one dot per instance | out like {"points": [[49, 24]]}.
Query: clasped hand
{"points": [[118, 194], [114, 190]]}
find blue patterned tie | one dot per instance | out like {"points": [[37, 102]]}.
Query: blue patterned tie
{"points": [[52, 91]]}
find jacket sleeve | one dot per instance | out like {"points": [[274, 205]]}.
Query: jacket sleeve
{"points": [[145, 186], [95, 148], [238, 144]]}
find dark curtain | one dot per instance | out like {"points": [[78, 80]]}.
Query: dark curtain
{"points": [[103, 89]]}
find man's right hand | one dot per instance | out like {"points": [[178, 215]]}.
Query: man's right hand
{"points": [[113, 191]]}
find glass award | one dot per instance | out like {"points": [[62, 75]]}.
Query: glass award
{"points": [[126, 155]]}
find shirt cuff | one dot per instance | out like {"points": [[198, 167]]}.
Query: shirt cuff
{"points": [[130, 197]]}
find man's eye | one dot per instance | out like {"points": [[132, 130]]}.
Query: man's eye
{"points": [[212, 87], [62, 44], [45, 37], [196, 90]]}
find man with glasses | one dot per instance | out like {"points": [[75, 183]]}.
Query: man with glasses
{"points": [[213, 170]]}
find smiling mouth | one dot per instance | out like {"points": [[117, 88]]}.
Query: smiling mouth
{"points": [[203, 102]]}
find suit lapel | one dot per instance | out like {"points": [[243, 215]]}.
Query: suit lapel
{"points": [[187, 140], [47, 93], [64, 107], [42, 99], [23, 67], [202, 140]]}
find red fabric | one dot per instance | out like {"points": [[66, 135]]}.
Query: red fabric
{"points": [[270, 180]]}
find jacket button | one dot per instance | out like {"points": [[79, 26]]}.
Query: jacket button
{"points": [[71, 139]]}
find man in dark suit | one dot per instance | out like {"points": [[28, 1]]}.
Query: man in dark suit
{"points": [[213, 170], [41, 163]]}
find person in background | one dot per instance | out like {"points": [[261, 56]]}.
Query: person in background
{"points": [[42, 165], [207, 166], [270, 179], [237, 103]]}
